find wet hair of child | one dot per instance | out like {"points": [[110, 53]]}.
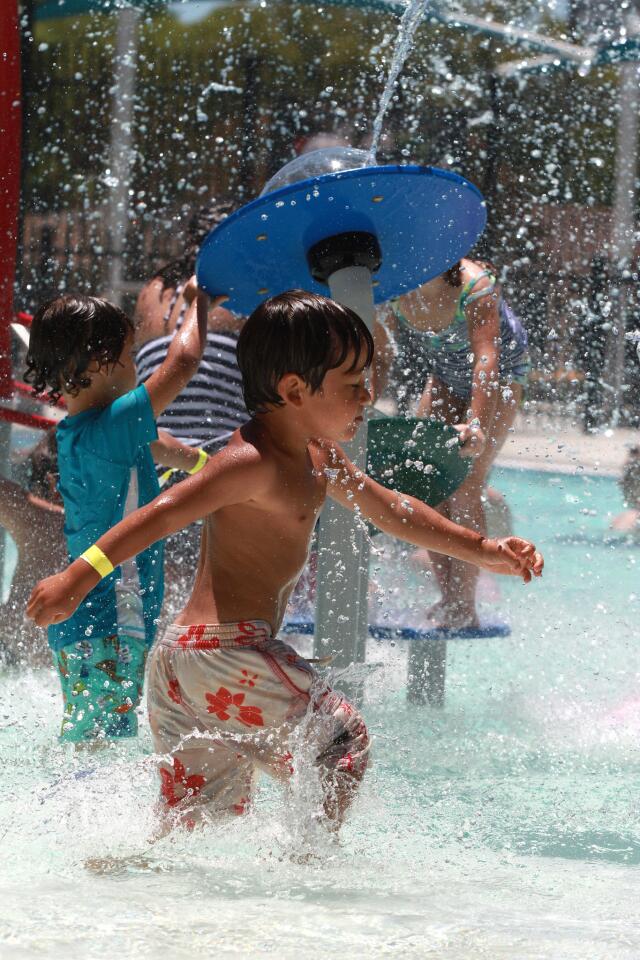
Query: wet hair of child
{"points": [[68, 333], [297, 332]]}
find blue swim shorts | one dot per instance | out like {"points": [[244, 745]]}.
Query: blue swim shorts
{"points": [[102, 681]]}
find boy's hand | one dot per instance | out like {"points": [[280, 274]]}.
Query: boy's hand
{"points": [[511, 556], [56, 598], [472, 439], [190, 289]]}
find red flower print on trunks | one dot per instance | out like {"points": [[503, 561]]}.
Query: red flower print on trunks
{"points": [[194, 632], [285, 761], [195, 637], [250, 633], [223, 702], [174, 691], [248, 678], [241, 806], [192, 784]]}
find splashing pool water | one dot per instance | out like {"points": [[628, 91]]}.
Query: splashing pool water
{"points": [[505, 826]]}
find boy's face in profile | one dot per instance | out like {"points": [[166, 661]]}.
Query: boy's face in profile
{"points": [[336, 409]]}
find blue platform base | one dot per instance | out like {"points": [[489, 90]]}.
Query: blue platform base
{"points": [[483, 632]]}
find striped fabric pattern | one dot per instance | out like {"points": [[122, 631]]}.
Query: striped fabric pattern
{"points": [[211, 406]]}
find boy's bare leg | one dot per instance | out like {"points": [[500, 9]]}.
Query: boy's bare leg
{"points": [[340, 790], [465, 507], [459, 594], [457, 579], [344, 761], [438, 399]]}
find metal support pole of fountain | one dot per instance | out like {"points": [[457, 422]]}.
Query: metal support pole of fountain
{"points": [[346, 263], [623, 233], [11, 126], [427, 672], [121, 147]]}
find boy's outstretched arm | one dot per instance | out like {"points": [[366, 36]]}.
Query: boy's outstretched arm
{"points": [[185, 352], [226, 479], [411, 520]]}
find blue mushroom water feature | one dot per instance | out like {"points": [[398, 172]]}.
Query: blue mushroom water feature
{"points": [[324, 212], [331, 223]]}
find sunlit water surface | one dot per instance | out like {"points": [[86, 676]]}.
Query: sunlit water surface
{"points": [[506, 825]]}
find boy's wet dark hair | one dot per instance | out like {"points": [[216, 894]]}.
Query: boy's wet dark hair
{"points": [[67, 334], [297, 332]]}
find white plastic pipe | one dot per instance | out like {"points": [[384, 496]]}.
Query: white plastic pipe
{"points": [[343, 549], [623, 233], [121, 152]]}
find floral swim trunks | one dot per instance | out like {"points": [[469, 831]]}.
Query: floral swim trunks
{"points": [[229, 700], [102, 681]]}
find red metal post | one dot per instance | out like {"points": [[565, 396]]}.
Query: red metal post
{"points": [[33, 420], [10, 137]]}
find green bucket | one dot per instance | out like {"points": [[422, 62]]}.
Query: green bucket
{"points": [[418, 457]]}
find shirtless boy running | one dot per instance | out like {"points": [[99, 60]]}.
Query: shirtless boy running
{"points": [[224, 693]]}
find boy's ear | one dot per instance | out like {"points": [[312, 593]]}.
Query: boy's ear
{"points": [[292, 389]]}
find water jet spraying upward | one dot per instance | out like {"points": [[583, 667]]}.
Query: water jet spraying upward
{"points": [[411, 19]]}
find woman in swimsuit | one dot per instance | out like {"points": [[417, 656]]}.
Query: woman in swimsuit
{"points": [[458, 334]]}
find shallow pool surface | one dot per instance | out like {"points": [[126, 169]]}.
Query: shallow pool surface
{"points": [[506, 825]]}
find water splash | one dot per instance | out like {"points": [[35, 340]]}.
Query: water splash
{"points": [[213, 87], [634, 337], [411, 18]]}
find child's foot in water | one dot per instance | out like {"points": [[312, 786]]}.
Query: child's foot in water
{"points": [[117, 865], [435, 613], [443, 616], [457, 616]]}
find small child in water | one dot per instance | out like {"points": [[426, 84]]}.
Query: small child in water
{"points": [[82, 348], [629, 520], [225, 694]]}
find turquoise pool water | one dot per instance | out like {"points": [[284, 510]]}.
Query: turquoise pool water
{"points": [[505, 826]]}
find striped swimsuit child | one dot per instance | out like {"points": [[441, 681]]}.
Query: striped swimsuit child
{"points": [[211, 406]]}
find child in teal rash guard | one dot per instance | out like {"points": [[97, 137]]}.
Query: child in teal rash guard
{"points": [[82, 348]]}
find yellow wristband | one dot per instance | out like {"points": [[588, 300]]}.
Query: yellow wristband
{"points": [[162, 479], [203, 456], [98, 560]]}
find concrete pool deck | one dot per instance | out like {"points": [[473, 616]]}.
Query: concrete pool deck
{"points": [[545, 442]]}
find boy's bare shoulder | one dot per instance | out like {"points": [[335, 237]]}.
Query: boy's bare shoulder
{"points": [[244, 460]]}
